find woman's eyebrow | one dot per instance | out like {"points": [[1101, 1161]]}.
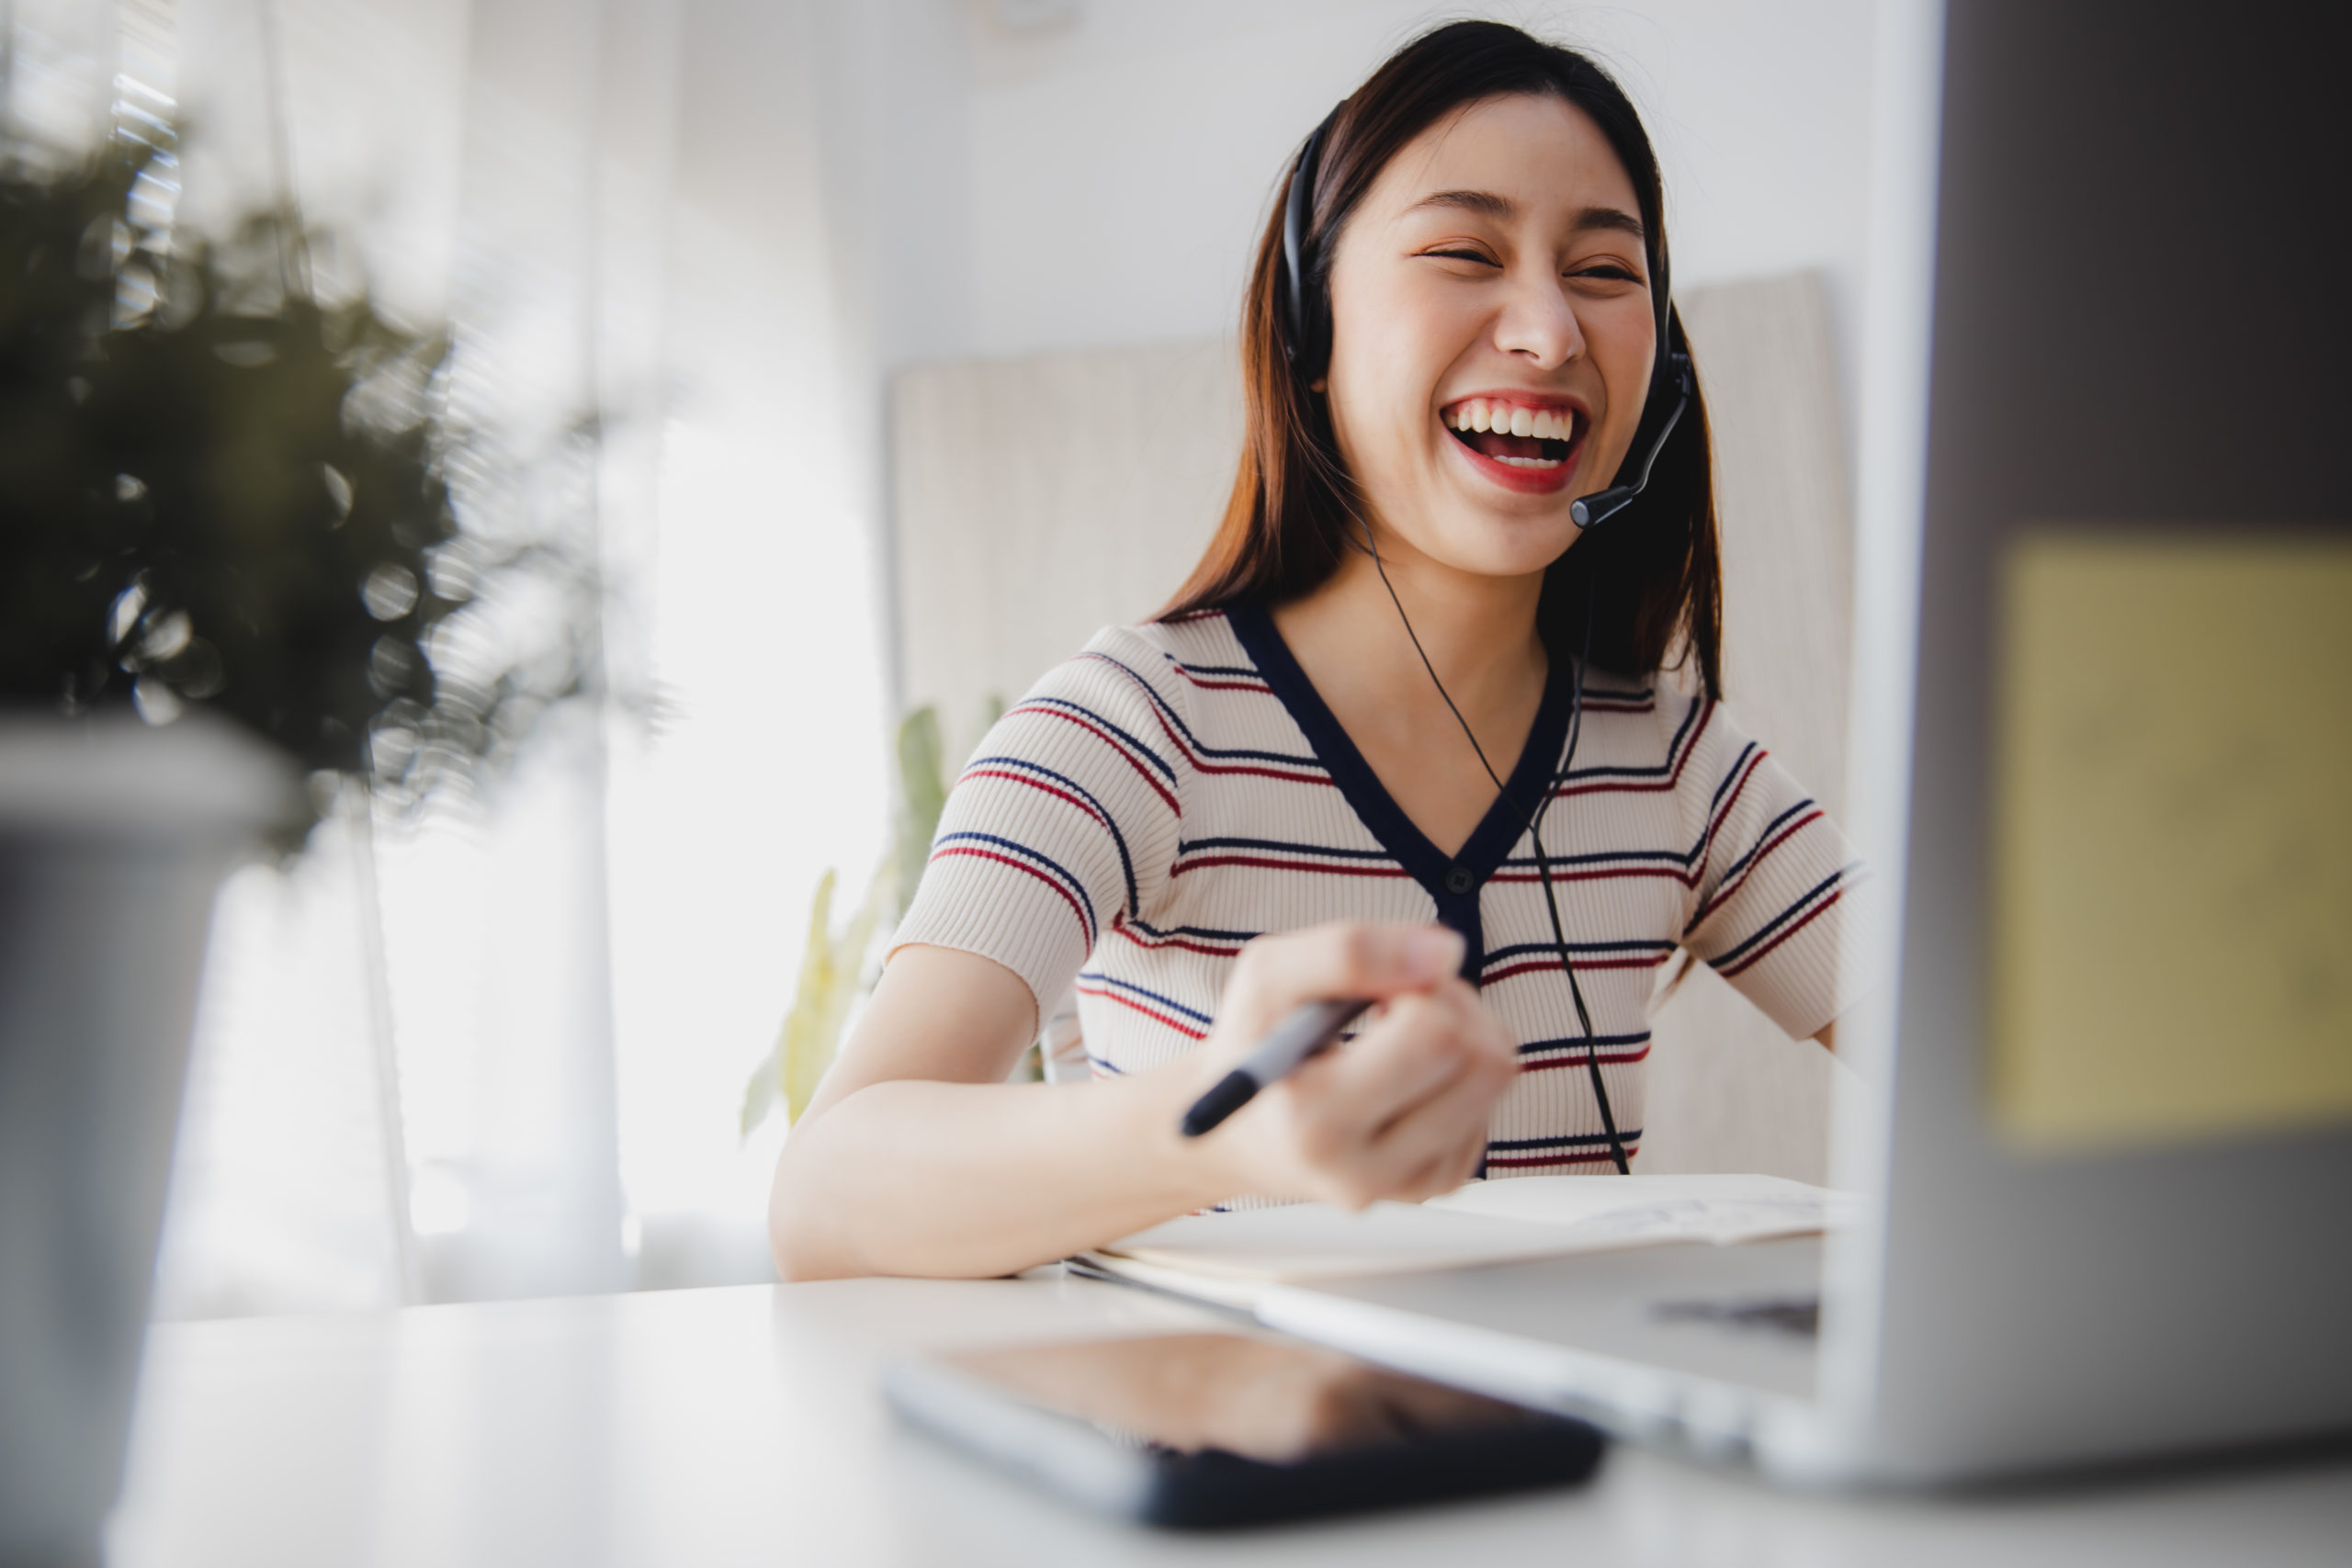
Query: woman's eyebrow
{"points": [[1484, 202], [1489, 204], [1614, 217]]}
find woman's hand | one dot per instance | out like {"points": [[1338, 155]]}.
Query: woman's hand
{"points": [[916, 1158], [1399, 1111]]}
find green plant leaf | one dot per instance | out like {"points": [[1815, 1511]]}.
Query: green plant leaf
{"points": [[806, 1068], [802, 1020], [804, 1050], [833, 964], [923, 794], [832, 969], [759, 1093]]}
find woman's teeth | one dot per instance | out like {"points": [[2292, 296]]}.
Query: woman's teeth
{"points": [[1511, 419], [1510, 425]]}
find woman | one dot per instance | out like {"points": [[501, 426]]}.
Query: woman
{"points": [[1325, 769]]}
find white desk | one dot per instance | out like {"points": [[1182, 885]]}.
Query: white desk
{"points": [[741, 1426]]}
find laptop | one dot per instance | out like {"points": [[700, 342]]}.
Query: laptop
{"points": [[2104, 716]]}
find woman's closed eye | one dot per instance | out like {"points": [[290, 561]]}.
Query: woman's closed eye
{"points": [[1463, 252], [1606, 272], [1596, 272]]}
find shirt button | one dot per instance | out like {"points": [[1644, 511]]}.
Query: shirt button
{"points": [[1458, 881]]}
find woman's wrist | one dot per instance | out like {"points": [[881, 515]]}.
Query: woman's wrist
{"points": [[1198, 1172]]}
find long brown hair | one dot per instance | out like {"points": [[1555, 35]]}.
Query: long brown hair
{"points": [[1651, 574]]}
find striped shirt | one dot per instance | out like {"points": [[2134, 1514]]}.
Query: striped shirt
{"points": [[1179, 788]]}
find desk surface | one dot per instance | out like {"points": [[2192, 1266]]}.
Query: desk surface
{"points": [[741, 1426]]}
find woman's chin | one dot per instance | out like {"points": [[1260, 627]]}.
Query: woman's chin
{"points": [[1504, 547]]}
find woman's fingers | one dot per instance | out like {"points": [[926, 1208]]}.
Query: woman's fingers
{"points": [[1404, 1105], [1398, 1111], [1420, 1046], [1469, 1162], [1445, 1172], [1277, 973], [1431, 1179], [1443, 1128]]}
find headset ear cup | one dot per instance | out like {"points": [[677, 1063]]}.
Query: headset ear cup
{"points": [[1307, 339], [1314, 333]]}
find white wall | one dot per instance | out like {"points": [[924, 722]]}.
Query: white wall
{"points": [[1120, 161]]}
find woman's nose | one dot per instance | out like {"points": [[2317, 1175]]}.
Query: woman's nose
{"points": [[1538, 323]]}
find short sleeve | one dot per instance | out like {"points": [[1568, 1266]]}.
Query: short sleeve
{"points": [[1776, 883], [1064, 821]]}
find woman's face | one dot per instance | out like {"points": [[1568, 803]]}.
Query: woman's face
{"points": [[1491, 333]]}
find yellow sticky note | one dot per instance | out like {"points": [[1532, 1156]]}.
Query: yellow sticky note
{"points": [[2172, 908]]}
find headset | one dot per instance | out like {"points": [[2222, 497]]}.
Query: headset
{"points": [[1306, 345]]}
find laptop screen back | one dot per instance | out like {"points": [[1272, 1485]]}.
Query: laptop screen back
{"points": [[2122, 1125]]}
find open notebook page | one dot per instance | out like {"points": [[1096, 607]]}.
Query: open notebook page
{"points": [[1721, 1209], [1499, 1222]]}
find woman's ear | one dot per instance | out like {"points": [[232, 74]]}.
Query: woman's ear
{"points": [[1320, 386]]}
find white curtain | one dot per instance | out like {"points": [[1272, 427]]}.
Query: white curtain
{"points": [[501, 1053]]}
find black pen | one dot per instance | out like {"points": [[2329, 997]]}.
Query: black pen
{"points": [[1310, 1030]]}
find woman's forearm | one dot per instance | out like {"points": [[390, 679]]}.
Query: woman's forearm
{"points": [[913, 1176], [915, 1156]]}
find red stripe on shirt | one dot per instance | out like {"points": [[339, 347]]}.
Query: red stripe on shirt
{"points": [[1723, 812], [1603, 874], [1144, 1008], [1085, 928], [1673, 776], [1781, 936], [1225, 683], [1113, 741], [1740, 880], [1205, 862], [1247, 769], [1199, 766], [1010, 775], [1593, 1156], [1608, 1058], [1584, 965], [1185, 944]]}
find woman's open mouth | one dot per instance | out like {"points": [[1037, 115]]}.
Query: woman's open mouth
{"points": [[1530, 448]]}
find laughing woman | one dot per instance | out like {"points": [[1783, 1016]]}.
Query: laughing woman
{"points": [[1410, 733]]}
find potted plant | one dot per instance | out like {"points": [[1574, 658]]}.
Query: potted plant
{"points": [[232, 580]]}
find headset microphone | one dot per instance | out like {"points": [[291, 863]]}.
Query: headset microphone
{"points": [[1601, 505]]}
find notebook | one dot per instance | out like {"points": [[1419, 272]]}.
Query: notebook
{"points": [[1231, 1258]]}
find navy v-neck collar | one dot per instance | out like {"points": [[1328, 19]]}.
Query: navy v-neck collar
{"points": [[1454, 881]]}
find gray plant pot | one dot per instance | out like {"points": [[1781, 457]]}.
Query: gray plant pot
{"points": [[114, 838]]}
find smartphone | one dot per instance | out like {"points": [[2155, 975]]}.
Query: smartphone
{"points": [[1195, 1432]]}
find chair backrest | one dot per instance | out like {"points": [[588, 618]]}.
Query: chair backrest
{"points": [[1728, 1090], [1040, 498], [1037, 499]]}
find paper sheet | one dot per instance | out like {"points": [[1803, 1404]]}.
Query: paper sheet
{"points": [[1637, 1209], [2172, 908], [1494, 1222]]}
